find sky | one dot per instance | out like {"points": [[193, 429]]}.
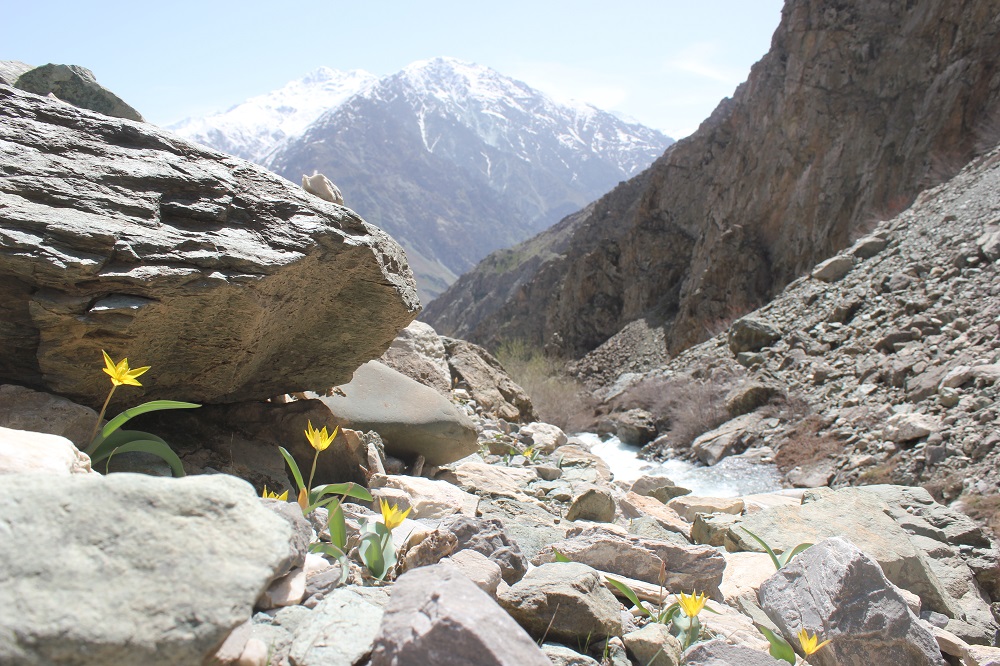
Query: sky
{"points": [[665, 63]]}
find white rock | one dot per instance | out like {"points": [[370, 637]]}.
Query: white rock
{"points": [[24, 451]]}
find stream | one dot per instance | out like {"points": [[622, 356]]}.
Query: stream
{"points": [[731, 477]]}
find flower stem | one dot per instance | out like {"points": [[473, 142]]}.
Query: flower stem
{"points": [[312, 472], [100, 417]]}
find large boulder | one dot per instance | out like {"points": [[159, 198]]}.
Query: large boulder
{"points": [[131, 569], [487, 382], [10, 70], [840, 593], [78, 86], [412, 419], [232, 283], [24, 409]]}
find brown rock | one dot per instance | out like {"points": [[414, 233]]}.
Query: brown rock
{"points": [[487, 382]]}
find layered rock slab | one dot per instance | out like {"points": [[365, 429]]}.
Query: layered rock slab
{"points": [[232, 283], [130, 569]]}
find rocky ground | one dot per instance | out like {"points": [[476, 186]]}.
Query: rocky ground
{"points": [[200, 569], [880, 366]]}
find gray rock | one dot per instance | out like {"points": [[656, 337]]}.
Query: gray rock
{"points": [[438, 616], [595, 504], [636, 427], [302, 532], [748, 397], [730, 438], [653, 645], [488, 537], [989, 243], [78, 86], [720, 653], [418, 353], [840, 593], [860, 517], [688, 567], [868, 247], [560, 655], [10, 70], [564, 601], [487, 382], [751, 334], [478, 568], [412, 419], [24, 409], [531, 526], [179, 562], [341, 629], [211, 264], [544, 437], [833, 269]]}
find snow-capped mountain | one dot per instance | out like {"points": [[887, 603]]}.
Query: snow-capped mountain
{"points": [[253, 129], [453, 159]]}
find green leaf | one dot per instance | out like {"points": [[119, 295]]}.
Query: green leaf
{"points": [[332, 551], [145, 443], [787, 556], [560, 557], [780, 649], [376, 549], [118, 421], [669, 613], [294, 467], [354, 490], [631, 596], [774, 558], [338, 526]]}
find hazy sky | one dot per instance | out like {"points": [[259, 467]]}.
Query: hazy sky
{"points": [[666, 63]]}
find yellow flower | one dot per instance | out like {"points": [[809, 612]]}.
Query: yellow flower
{"points": [[283, 497], [320, 439], [809, 643], [304, 500], [392, 517], [692, 604], [120, 373]]}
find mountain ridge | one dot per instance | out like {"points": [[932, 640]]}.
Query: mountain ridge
{"points": [[456, 160]]}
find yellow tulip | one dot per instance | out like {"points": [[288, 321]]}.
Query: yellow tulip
{"points": [[304, 500], [392, 517], [283, 497], [120, 373], [692, 604], [808, 643], [320, 439]]}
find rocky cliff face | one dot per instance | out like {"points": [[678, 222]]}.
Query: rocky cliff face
{"points": [[857, 107]]}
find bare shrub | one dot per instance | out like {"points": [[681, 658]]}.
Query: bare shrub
{"points": [[984, 509], [804, 443], [684, 407], [558, 398]]}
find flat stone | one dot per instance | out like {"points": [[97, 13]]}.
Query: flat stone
{"points": [[635, 506], [653, 645], [689, 507], [719, 653], [595, 504]]}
